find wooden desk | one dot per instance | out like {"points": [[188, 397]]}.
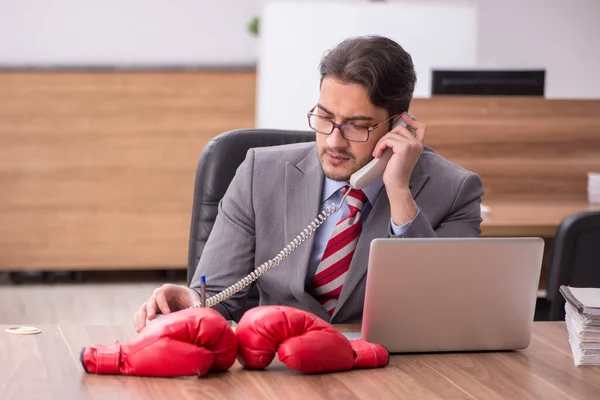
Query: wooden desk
{"points": [[529, 218], [46, 366]]}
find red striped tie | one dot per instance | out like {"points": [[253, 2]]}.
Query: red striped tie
{"points": [[331, 273]]}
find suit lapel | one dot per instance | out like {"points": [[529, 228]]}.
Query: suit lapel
{"points": [[376, 226], [417, 180], [303, 186]]}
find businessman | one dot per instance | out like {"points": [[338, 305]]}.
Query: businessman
{"points": [[366, 86]]}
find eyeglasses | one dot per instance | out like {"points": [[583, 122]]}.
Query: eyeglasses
{"points": [[349, 131]]}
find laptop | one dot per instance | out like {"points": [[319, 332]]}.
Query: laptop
{"points": [[451, 294]]}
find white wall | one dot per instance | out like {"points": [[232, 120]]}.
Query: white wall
{"points": [[126, 32], [561, 35]]}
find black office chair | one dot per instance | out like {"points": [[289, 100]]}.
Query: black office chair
{"points": [[217, 165], [574, 259]]}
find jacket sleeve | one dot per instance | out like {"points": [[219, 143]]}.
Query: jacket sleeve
{"points": [[228, 255], [463, 219]]}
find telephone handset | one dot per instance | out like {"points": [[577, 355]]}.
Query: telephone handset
{"points": [[367, 174], [358, 180]]}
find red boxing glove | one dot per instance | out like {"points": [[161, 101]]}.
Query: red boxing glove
{"points": [[303, 342], [184, 343]]}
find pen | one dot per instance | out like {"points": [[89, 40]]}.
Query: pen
{"points": [[203, 291]]}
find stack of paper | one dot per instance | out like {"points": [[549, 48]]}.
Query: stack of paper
{"points": [[582, 315]]}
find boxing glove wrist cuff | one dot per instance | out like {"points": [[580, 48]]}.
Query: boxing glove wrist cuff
{"points": [[108, 358]]}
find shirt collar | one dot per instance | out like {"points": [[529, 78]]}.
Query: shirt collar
{"points": [[330, 187]]}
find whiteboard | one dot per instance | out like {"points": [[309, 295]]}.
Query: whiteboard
{"points": [[295, 35]]}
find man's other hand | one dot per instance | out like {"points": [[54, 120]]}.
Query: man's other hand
{"points": [[165, 299]]}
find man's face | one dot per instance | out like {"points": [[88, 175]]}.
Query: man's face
{"points": [[347, 103]]}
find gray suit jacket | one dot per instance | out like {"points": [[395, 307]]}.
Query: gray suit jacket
{"points": [[276, 193]]}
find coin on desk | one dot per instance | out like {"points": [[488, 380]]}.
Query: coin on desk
{"points": [[23, 330]]}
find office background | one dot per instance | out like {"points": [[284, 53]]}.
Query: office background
{"points": [[557, 35], [106, 106]]}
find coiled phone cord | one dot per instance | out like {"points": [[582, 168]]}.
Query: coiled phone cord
{"points": [[294, 244]]}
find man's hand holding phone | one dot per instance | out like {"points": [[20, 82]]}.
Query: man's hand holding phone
{"points": [[407, 148]]}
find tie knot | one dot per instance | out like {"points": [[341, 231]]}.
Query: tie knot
{"points": [[356, 197]]}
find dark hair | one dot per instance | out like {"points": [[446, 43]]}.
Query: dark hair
{"points": [[379, 64]]}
